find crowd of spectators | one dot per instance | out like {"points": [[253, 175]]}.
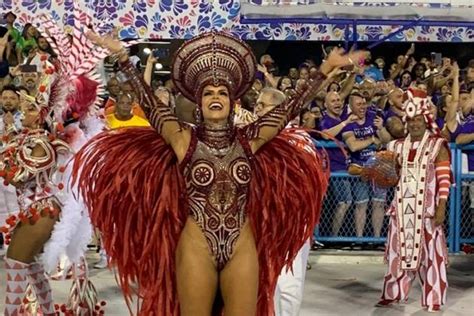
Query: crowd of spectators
{"points": [[360, 107]]}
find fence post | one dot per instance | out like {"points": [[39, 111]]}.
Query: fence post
{"points": [[458, 200], [452, 203]]}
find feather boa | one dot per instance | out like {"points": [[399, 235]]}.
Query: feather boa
{"points": [[287, 189], [70, 235], [73, 231]]}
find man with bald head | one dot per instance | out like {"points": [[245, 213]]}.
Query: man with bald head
{"points": [[332, 124], [395, 103], [367, 90], [394, 113], [116, 88]]}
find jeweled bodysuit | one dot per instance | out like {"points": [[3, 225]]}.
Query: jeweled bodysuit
{"points": [[217, 175], [212, 184]]}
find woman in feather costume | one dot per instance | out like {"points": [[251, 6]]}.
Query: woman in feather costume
{"points": [[50, 222], [203, 219]]}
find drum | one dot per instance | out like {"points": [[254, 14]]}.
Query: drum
{"points": [[382, 169]]}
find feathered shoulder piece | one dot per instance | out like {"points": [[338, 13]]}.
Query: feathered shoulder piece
{"points": [[69, 88]]}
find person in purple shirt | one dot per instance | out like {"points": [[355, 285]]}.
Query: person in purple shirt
{"points": [[466, 137], [360, 136], [332, 124]]}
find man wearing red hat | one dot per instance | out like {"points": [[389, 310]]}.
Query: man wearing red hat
{"points": [[416, 243]]}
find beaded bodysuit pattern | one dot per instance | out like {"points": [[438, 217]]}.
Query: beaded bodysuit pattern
{"points": [[217, 169], [36, 177], [217, 181]]}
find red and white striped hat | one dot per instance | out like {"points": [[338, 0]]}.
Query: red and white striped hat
{"points": [[416, 102]]}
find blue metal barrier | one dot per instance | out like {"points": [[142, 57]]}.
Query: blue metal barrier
{"points": [[457, 230], [451, 237], [346, 232], [464, 191]]}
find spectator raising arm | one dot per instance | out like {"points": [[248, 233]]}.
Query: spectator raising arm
{"points": [[148, 74], [348, 85], [451, 122], [382, 132], [268, 76], [439, 80], [403, 62]]}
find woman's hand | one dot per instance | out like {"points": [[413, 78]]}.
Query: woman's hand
{"points": [[108, 41], [411, 50], [338, 58], [336, 72], [454, 70], [262, 69]]}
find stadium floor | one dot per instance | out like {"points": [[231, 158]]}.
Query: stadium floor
{"points": [[337, 284]]}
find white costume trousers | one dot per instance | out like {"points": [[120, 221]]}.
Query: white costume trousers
{"points": [[290, 286]]}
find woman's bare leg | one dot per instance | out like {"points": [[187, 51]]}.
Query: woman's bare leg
{"points": [[27, 242], [28, 239], [196, 272], [239, 278]]}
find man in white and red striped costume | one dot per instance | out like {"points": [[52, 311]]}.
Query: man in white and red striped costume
{"points": [[416, 243]]}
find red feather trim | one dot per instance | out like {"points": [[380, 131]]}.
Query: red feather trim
{"points": [[287, 189], [131, 182]]}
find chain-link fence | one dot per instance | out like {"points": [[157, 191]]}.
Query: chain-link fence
{"points": [[354, 211], [344, 218], [464, 220], [467, 212], [350, 212]]}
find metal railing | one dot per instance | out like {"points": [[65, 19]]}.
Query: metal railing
{"points": [[459, 215]]}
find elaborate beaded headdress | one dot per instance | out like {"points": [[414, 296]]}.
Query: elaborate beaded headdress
{"points": [[417, 102], [213, 58]]}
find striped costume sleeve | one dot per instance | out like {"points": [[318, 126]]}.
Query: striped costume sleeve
{"points": [[443, 179]]}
